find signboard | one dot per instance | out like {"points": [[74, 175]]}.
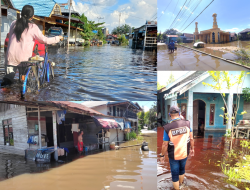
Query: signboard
{"points": [[11, 14], [151, 22], [43, 157], [30, 154]]}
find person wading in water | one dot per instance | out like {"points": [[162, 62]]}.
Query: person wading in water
{"points": [[22, 35], [80, 142], [177, 141], [171, 46]]}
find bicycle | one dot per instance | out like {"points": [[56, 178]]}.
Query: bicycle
{"points": [[35, 72]]}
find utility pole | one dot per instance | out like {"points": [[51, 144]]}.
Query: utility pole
{"points": [[70, 3], [100, 18]]}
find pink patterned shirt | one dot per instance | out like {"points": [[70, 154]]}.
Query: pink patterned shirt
{"points": [[22, 50]]}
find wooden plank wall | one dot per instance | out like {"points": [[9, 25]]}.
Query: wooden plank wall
{"points": [[19, 124]]}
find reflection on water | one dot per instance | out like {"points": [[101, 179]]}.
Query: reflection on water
{"points": [[127, 168], [187, 59], [203, 171], [97, 73]]}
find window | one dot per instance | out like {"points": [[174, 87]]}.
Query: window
{"points": [[211, 117], [8, 132], [213, 37], [121, 113], [218, 37]]}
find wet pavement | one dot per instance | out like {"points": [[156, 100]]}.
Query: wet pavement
{"points": [[96, 73], [203, 171], [127, 168], [187, 59]]}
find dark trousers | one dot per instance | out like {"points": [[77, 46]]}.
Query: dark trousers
{"points": [[177, 168]]}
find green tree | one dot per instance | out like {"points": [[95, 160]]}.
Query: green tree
{"points": [[152, 115], [146, 118], [141, 120], [121, 29], [179, 40], [88, 28], [170, 79], [222, 78], [171, 32], [159, 86]]}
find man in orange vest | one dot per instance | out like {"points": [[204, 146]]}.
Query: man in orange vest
{"points": [[178, 142]]}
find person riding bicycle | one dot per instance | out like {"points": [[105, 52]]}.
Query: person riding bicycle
{"points": [[22, 35]]}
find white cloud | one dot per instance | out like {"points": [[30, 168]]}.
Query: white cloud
{"points": [[145, 108], [135, 12], [233, 30], [162, 12]]}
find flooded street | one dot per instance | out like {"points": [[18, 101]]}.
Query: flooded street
{"points": [[97, 73], [187, 59], [127, 168], [203, 171]]}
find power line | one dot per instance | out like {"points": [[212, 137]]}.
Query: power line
{"points": [[178, 14], [153, 15], [184, 14], [165, 10], [191, 14], [199, 14]]}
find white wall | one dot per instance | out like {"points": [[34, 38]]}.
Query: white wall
{"points": [[102, 109], [19, 125], [113, 135], [5, 28]]}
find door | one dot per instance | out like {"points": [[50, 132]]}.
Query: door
{"points": [[114, 111], [195, 114]]}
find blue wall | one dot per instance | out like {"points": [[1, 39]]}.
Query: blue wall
{"points": [[218, 121]]}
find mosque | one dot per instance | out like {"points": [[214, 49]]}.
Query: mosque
{"points": [[214, 35]]}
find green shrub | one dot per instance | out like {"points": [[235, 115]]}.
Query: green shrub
{"points": [[132, 135]]}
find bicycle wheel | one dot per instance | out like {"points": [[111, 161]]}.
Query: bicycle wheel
{"points": [[30, 82]]}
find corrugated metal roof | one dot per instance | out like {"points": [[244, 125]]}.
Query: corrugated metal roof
{"points": [[244, 31], [41, 7], [75, 107], [62, 105]]}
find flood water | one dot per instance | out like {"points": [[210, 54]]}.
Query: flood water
{"points": [[127, 168], [203, 171], [97, 73], [187, 59]]}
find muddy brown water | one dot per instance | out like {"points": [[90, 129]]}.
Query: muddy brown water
{"points": [[187, 59], [127, 168], [203, 171]]}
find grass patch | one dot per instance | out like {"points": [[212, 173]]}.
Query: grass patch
{"points": [[243, 56], [236, 164]]}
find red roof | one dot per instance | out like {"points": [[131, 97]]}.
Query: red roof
{"points": [[75, 107], [171, 35], [64, 105]]}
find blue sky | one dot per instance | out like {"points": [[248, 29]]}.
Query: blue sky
{"points": [[231, 15], [133, 12]]}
